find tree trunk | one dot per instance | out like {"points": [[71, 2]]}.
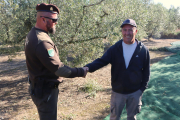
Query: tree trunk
{"points": [[7, 33], [149, 36]]}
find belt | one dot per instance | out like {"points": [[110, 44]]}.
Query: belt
{"points": [[51, 85]]}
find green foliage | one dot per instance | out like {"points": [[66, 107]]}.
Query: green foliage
{"points": [[10, 50], [171, 35], [91, 87], [165, 49], [86, 26], [156, 24], [17, 18]]}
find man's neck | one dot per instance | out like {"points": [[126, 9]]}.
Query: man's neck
{"points": [[134, 41], [39, 27]]}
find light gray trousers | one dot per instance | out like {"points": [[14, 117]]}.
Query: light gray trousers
{"points": [[132, 101]]}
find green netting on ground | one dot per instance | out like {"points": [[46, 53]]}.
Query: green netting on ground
{"points": [[161, 101], [175, 47]]}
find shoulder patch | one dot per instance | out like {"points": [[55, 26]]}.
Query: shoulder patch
{"points": [[51, 52]]}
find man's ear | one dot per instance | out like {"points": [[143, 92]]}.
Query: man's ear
{"points": [[136, 30]]}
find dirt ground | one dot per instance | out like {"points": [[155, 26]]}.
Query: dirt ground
{"points": [[73, 103]]}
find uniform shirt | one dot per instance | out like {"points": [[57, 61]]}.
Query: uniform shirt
{"points": [[42, 57]]}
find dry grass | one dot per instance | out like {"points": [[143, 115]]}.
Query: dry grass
{"points": [[73, 104]]}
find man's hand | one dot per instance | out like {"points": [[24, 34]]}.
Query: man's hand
{"points": [[86, 69]]}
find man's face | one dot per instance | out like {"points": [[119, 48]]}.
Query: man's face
{"points": [[50, 28], [129, 33], [51, 24]]}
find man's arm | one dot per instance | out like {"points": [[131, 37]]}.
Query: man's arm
{"points": [[100, 62], [50, 59], [69, 72], [146, 72]]}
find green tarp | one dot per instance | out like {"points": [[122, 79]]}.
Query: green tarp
{"points": [[175, 48], [161, 101]]}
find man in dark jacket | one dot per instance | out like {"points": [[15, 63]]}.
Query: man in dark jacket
{"points": [[44, 66], [130, 71]]}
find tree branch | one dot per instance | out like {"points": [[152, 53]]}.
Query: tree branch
{"points": [[78, 26], [85, 40], [94, 4]]}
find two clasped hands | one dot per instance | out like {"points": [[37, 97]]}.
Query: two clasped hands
{"points": [[86, 69]]}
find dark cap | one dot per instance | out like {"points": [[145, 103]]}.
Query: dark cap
{"points": [[130, 22], [43, 7]]}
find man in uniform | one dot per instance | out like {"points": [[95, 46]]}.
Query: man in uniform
{"points": [[44, 66], [130, 71]]}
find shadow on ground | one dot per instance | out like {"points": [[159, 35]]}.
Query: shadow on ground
{"points": [[13, 92], [103, 112]]}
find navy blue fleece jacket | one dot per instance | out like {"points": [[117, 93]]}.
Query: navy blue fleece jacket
{"points": [[125, 80]]}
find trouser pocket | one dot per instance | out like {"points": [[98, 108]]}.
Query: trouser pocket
{"points": [[113, 109], [39, 87], [38, 92], [138, 109]]}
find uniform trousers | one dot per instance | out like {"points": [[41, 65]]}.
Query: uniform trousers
{"points": [[47, 105], [132, 101]]}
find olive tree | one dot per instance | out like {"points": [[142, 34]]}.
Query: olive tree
{"points": [[157, 19], [85, 27]]}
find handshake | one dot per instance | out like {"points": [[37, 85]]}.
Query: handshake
{"points": [[86, 69]]}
